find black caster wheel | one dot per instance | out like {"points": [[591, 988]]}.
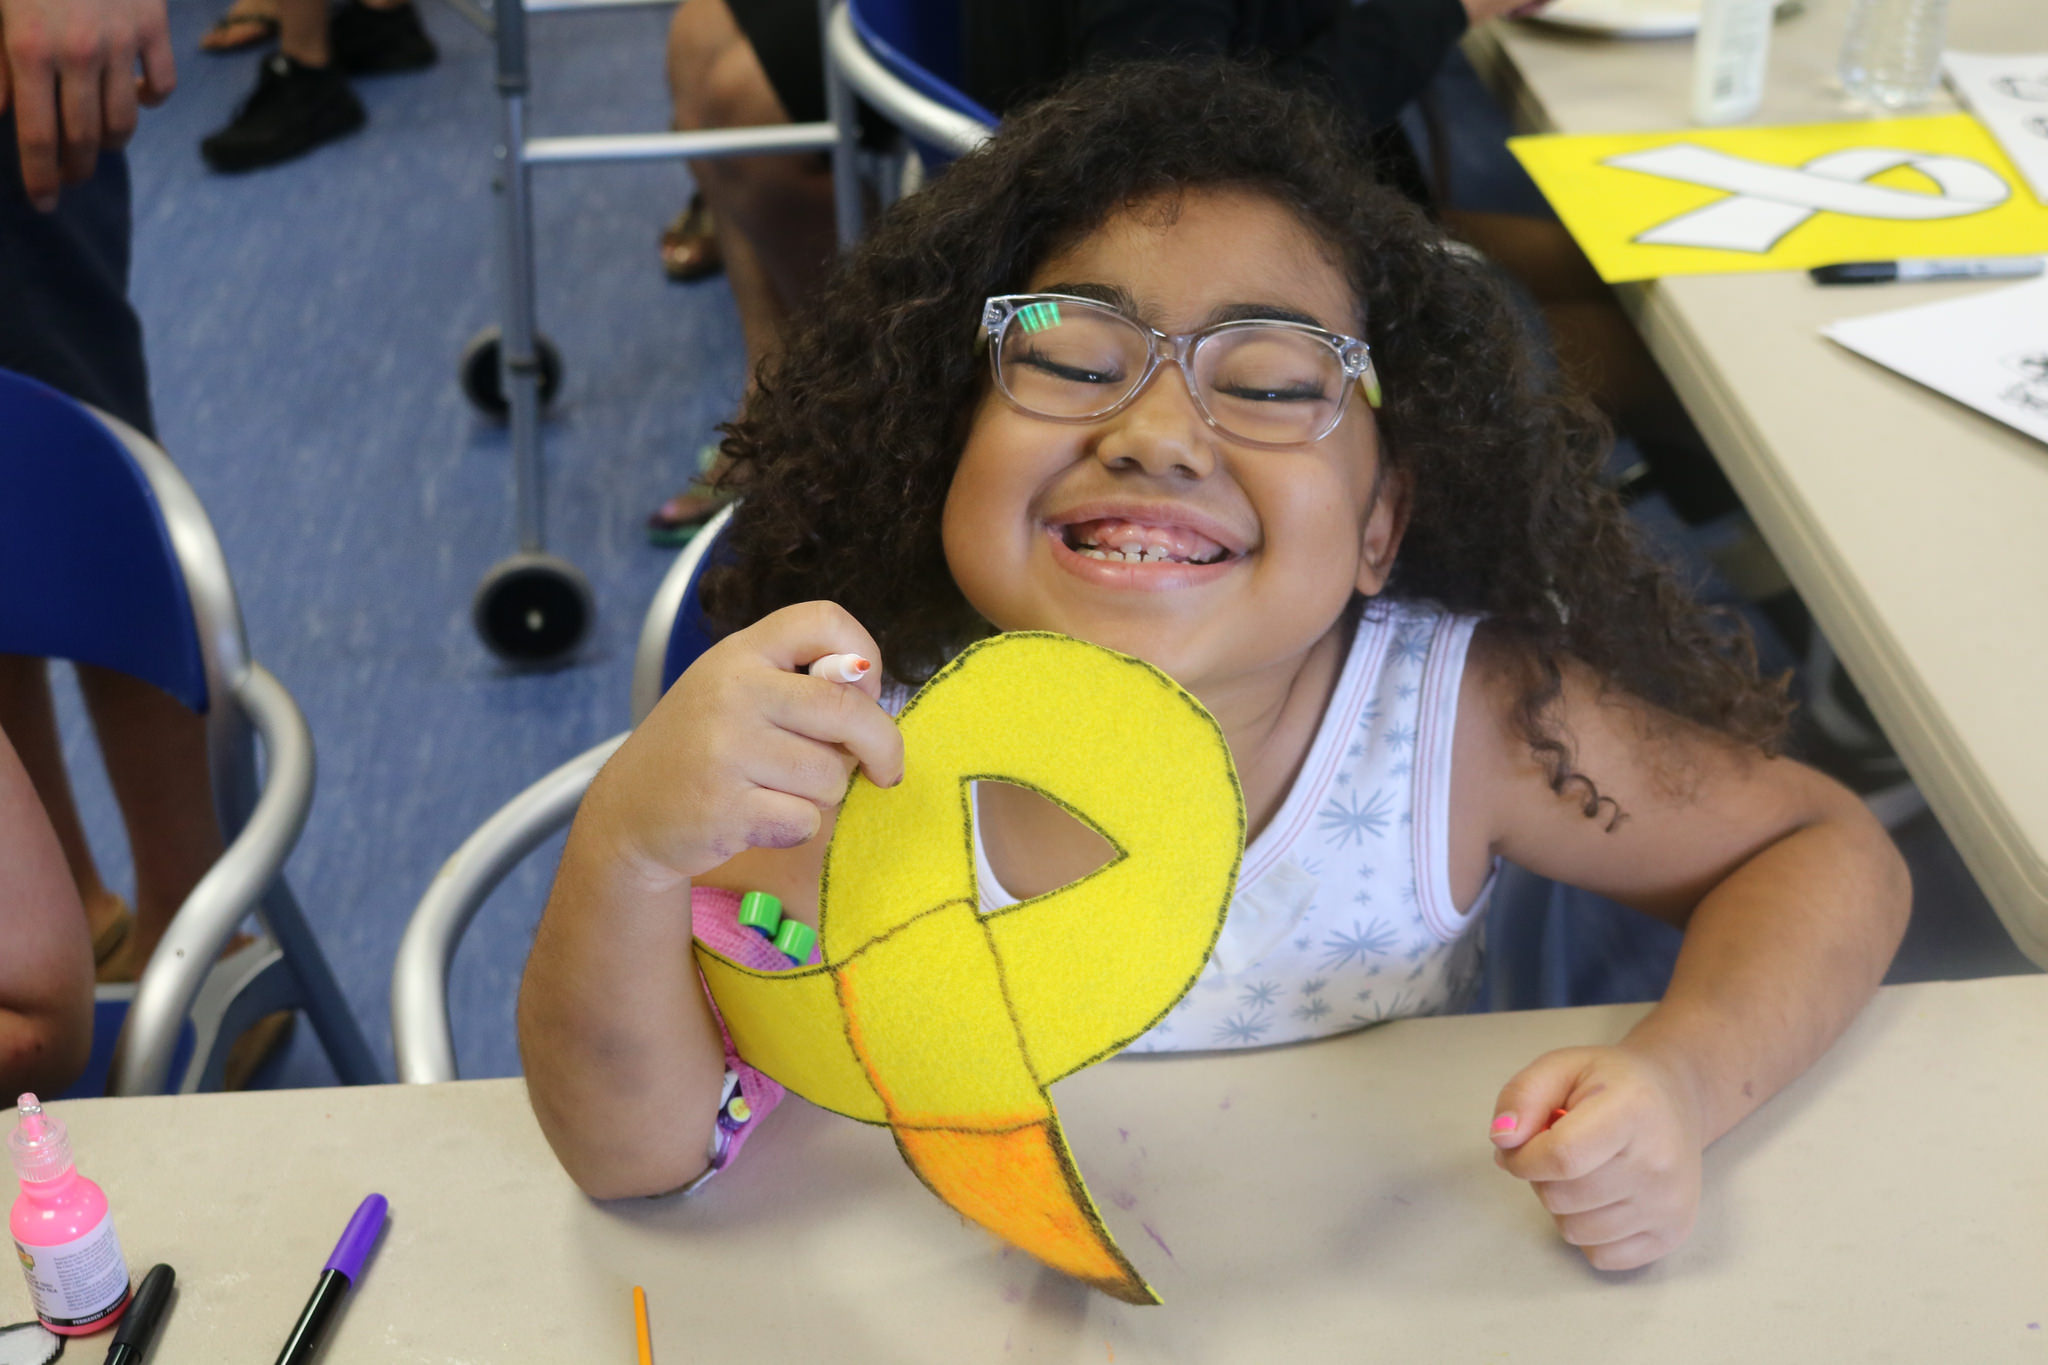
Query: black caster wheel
{"points": [[483, 386], [533, 609]]}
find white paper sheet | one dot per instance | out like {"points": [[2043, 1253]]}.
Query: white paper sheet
{"points": [[1988, 350], [2009, 95]]}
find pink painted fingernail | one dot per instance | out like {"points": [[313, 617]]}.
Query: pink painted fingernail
{"points": [[1504, 1123]]}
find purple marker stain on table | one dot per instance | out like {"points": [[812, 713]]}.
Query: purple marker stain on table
{"points": [[1123, 1135], [1124, 1200], [1157, 1238], [1226, 1103]]}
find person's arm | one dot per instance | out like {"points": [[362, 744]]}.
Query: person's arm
{"points": [[68, 72], [728, 781], [1793, 901], [46, 966]]}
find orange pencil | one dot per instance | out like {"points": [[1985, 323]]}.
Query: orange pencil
{"points": [[640, 1325]]}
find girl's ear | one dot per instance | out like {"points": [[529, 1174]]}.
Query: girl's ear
{"points": [[1380, 539]]}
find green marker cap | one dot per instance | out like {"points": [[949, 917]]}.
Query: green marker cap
{"points": [[760, 912], [795, 939]]}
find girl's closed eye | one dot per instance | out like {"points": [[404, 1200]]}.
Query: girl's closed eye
{"points": [[1071, 365], [1268, 369]]}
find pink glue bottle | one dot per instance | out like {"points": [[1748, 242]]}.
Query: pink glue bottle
{"points": [[63, 1231]]}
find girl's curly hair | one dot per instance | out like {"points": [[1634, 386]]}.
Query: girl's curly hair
{"points": [[846, 449]]}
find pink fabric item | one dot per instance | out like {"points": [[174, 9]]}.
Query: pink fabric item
{"points": [[715, 920]]}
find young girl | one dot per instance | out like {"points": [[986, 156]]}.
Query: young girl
{"points": [[1162, 369]]}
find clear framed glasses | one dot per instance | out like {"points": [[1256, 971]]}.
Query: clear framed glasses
{"points": [[1262, 382]]}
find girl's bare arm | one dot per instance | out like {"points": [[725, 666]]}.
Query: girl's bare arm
{"points": [[730, 781], [1793, 901]]}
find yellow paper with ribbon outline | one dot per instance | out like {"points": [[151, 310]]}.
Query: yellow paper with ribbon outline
{"points": [[946, 1024], [1708, 201]]}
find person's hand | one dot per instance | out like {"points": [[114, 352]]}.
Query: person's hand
{"points": [[68, 70], [1620, 1172], [748, 751]]}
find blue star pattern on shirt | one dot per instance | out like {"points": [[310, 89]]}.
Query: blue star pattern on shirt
{"points": [[1242, 1029], [1360, 817], [1342, 949], [1341, 941], [1410, 645]]}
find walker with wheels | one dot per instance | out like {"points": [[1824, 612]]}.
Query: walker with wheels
{"points": [[534, 608]]}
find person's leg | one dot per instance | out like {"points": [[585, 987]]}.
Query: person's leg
{"points": [[155, 754], [689, 244], [302, 31], [779, 208], [29, 719], [772, 215]]}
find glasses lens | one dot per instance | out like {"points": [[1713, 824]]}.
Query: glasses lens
{"points": [[1268, 383], [1060, 358]]}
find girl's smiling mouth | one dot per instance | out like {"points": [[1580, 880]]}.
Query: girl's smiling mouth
{"points": [[1141, 547]]}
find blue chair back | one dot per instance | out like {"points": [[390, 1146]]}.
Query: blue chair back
{"points": [[692, 632], [919, 41], [87, 569]]}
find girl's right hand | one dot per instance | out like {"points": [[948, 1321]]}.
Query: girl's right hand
{"points": [[748, 751]]}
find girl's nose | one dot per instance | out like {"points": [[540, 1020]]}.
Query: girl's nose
{"points": [[1161, 433]]}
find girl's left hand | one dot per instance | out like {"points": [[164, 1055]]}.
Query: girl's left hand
{"points": [[1620, 1171]]}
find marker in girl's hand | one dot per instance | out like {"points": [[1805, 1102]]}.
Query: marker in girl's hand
{"points": [[845, 668]]}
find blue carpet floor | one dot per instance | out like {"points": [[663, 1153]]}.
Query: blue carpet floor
{"points": [[303, 326]]}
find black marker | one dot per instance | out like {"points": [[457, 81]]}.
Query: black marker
{"points": [[335, 1278], [1885, 272], [145, 1311]]}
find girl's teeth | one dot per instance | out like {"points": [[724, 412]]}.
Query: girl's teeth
{"points": [[1129, 554]]}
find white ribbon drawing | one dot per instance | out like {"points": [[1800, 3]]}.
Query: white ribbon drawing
{"points": [[1770, 200]]}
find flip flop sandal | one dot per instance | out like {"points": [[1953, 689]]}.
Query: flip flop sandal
{"points": [[265, 26], [689, 249], [673, 532], [108, 941]]}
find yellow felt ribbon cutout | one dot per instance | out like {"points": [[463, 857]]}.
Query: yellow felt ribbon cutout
{"points": [[947, 1025]]}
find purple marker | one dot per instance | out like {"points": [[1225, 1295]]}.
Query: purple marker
{"points": [[335, 1278]]}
